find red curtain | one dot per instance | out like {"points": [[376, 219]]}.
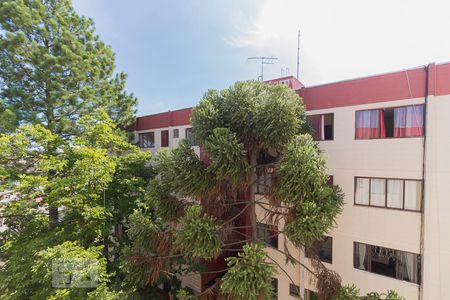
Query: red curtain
{"points": [[408, 121], [315, 122], [370, 124]]}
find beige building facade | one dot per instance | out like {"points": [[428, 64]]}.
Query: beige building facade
{"points": [[387, 141]]}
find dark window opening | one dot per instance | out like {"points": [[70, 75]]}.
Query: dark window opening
{"points": [[147, 140], [322, 126], [165, 138], [264, 171], [328, 127], [330, 180], [294, 290], [322, 249], [388, 262], [176, 133], [389, 121], [268, 234], [275, 286], [310, 295], [191, 137]]}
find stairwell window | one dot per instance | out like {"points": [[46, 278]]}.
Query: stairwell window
{"points": [[190, 137], [322, 249], [405, 194], [294, 290], [267, 234], [275, 287], [386, 261], [147, 140], [395, 122], [322, 126]]}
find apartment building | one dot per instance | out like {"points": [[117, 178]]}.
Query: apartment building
{"points": [[387, 138]]}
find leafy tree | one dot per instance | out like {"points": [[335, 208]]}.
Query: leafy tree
{"points": [[236, 128], [351, 292], [54, 68], [80, 176]]}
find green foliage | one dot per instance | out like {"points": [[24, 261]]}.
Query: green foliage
{"points": [[83, 175], [390, 295], [54, 68], [301, 182], [260, 115], [351, 292], [183, 294], [249, 275], [227, 156], [182, 169], [197, 234], [301, 171], [348, 292]]}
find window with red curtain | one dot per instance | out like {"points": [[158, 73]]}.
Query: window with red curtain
{"points": [[408, 121], [316, 123], [370, 124]]}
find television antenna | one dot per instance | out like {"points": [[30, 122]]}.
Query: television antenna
{"points": [[265, 60]]}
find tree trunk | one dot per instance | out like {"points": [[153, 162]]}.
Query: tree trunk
{"points": [[252, 197]]}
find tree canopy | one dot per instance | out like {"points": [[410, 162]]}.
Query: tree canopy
{"points": [[54, 68], [236, 128]]}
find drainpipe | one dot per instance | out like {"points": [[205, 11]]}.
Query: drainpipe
{"points": [[422, 216]]}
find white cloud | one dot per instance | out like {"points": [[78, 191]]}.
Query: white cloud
{"points": [[347, 38]]}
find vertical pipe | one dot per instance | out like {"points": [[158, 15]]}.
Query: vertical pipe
{"points": [[422, 216]]}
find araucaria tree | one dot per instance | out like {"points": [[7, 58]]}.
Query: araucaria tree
{"points": [[207, 207]]}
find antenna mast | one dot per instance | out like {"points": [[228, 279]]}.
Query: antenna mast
{"points": [[264, 61], [298, 54]]}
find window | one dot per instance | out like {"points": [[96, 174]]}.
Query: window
{"points": [[390, 193], [377, 192], [190, 137], [268, 234], [330, 180], [413, 195], [147, 140], [406, 121], [310, 295], [322, 126], [165, 138], [323, 249], [294, 290], [176, 133], [385, 261], [264, 182], [275, 286]]}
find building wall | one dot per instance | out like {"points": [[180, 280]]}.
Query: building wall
{"points": [[173, 142], [436, 268], [422, 233], [348, 157]]}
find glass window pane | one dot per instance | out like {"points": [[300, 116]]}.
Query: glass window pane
{"points": [[362, 191], [360, 257], [377, 192], [413, 194], [384, 261], [395, 193]]}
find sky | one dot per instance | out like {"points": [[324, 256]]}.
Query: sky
{"points": [[175, 50]]}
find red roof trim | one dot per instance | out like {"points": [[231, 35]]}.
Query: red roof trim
{"points": [[400, 85], [171, 118]]}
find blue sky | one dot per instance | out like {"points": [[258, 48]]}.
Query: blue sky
{"points": [[173, 51]]}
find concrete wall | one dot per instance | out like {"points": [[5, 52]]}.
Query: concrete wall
{"points": [[173, 142], [396, 229], [436, 261]]}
